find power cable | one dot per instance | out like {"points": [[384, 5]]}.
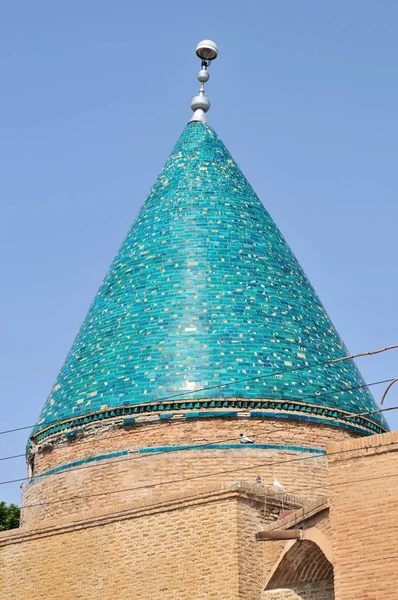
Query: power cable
{"points": [[92, 466], [204, 475], [156, 425], [119, 513], [128, 458], [11, 457], [153, 426], [222, 385]]}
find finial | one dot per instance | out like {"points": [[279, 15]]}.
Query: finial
{"points": [[206, 51]]}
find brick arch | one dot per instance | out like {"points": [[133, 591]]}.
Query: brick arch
{"points": [[304, 562]]}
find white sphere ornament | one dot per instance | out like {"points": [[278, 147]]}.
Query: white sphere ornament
{"points": [[200, 102], [203, 76]]}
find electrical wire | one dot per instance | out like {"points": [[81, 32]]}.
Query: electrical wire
{"points": [[122, 512], [11, 457], [202, 476], [156, 425], [92, 466], [128, 458], [222, 385], [274, 463]]}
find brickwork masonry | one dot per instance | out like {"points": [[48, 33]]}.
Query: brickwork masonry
{"points": [[133, 477], [363, 490], [187, 547]]}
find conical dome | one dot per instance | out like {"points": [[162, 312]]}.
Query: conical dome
{"points": [[206, 306]]}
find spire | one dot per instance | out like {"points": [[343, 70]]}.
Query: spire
{"points": [[205, 305], [206, 51]]}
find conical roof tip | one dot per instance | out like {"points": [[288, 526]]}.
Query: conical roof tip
{"points": [[205, 291]]}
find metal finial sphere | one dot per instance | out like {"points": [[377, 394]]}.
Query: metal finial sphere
{"points": [[203, 76], [207, 50], [201, 103]]}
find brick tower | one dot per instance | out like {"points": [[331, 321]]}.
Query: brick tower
{"points": [[205, 327]]}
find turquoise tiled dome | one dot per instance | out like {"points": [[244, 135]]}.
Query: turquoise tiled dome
{"points": [[205, 291]]}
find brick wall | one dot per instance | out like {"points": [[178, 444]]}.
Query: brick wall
{"points": [[184, 549], [106, 437], [114, 482], [363, 476], [132, 475], [250, 552]]}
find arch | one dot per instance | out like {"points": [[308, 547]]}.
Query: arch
{"points": [[313, 535], [316, 536], [302, 567]]}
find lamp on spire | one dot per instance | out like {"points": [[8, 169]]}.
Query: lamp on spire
{"points": [[207, 51]]}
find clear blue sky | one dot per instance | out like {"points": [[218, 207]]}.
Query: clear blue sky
{"points": [[94, 96]]}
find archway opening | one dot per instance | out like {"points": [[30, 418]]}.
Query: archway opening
{"points": [[304, 572]]}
